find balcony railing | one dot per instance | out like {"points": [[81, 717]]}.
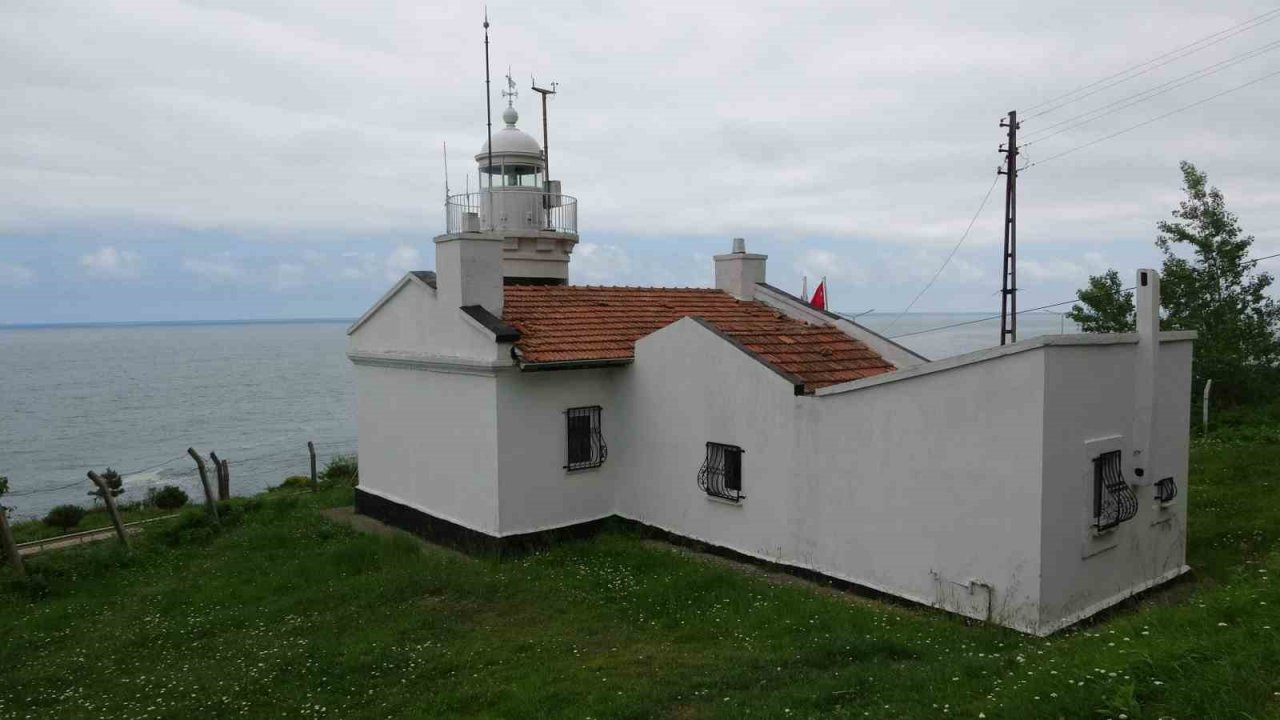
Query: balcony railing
{"points": [[511, 209]]}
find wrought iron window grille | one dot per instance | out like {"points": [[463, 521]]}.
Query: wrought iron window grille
{"points": [[1166, 490], [586, 446], [1114, 501], [721, 473]]}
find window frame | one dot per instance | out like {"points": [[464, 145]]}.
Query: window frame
{"points": [[588, 435], [720, 476]]}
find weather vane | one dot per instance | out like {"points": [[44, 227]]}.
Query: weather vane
{"points": [[510, 93]]}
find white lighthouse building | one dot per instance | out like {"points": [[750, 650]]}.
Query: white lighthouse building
{"points": [[1029, 485], [538, 224]]}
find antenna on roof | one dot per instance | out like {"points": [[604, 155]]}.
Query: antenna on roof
{"points": [[546, 148], [444, 146], [488, 110]]}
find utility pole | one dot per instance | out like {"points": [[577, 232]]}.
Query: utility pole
{"points": [[546, 145], [488, 109], [1009, 286]]}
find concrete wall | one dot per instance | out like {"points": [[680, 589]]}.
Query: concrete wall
{"points": [[929, 487], [429, 440], [688, 387], [536, 491], [427, 405], [412, 320], [1090, 403]]}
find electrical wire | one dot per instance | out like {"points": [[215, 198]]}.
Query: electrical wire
{"points": [[946, 262], [1152, 64], [1145, 95], [1144, 123], [1253, 261]]}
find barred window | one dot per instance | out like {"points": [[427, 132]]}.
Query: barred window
{"points": [[1166, 490], [586, 448], [1113, 499], [721, 472]]}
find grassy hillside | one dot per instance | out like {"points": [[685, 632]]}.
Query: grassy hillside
{"points": [[285, 613]]}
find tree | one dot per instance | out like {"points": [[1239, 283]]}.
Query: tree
{"points": [[1217, 292], [1211, 287], [114, 482], [1107, 308]]}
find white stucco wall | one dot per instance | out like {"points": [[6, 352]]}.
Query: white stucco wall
{"points": [[1090, 397], [689, 387], [897, 487], [536, 491], [429, 440], [930, 487], [412, 320]]}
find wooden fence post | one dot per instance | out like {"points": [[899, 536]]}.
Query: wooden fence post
{"points": [[204, 480], [311, 448], [224, 492], [110, 502], [10, 547], [225, 487]]}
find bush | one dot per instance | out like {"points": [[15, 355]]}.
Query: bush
{"points": [[294, 482], [170, 497], [341, 468], [65, 516]]}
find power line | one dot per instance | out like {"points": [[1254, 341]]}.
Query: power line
{"points": [[946, 262], [1145, 95], [1152, 64], [1253, 261], [1144, 123]]}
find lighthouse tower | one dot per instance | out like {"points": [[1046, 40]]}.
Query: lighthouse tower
{"points": [[538, 225]]}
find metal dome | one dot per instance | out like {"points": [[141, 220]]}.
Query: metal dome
{"points": [[511, 140]]}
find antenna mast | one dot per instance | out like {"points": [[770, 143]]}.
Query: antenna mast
{"points": [[445, 149], [1009, 284], [488, 108], [546, 145]]}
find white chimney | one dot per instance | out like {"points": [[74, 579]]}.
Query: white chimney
{"points": [[738, 272], [1147, 307], [469, 270]]}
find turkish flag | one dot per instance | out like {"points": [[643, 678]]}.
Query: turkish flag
{"points": [[819, 299]]}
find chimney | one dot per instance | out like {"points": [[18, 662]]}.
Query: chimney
{"points": [[738, 272], [1147, 310], [469, 270]]}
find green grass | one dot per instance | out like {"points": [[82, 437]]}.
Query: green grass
{"points": [[284, 613], [97, 518]]}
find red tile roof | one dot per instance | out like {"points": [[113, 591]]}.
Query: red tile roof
{"points": [[560, 323]]}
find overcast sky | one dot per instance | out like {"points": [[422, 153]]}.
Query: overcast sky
{"points": [[269, 158]]}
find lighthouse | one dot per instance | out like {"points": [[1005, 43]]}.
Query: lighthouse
{"points": [[537, 224]]}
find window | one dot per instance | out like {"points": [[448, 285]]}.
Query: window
{"points": [[1113, 499], [1166, 490], [721, 472], [586, 448]]}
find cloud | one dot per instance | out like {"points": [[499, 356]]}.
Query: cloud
{"points": [[108, 262], [16, 276], [290, 275], [214, 269], [401, 260], [816, 263], [595, 264]]}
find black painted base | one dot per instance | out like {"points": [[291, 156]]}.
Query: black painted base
{"points": [[441, 531]]}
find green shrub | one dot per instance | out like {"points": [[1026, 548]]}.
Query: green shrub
{"points": [[341, 468], [294, 482], [169, 497], [65, 516]]}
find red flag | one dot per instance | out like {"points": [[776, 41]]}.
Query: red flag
{"points": [[819, 299]]}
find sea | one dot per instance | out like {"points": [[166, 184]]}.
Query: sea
{"points": [[135, 397]]}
